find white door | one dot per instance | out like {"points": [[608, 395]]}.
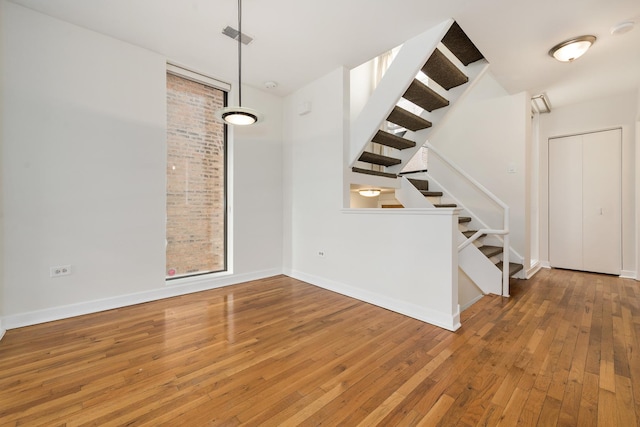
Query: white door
{"points": [[585, 202], [565, 202]]}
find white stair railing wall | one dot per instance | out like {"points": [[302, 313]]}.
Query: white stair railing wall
{"points": [[480, 203]]}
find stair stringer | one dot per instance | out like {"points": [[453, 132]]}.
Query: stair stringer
{"points": [[479, 268], [370, 180], [410, 197], [398, 77]]}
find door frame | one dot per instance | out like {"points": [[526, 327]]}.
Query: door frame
{"points": [[620, 176]]}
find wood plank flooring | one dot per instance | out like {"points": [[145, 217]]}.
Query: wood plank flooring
{"points": [[563, 350]]}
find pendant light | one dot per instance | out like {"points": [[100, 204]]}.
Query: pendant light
{"points": [[239, 115]]}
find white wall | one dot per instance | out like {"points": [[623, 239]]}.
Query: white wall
{"points": [[637, 184], [257, 185], [533, 182], [612, 112], [83, 174], [361, 79], [486, 134], [373, 255], [2, 330]]}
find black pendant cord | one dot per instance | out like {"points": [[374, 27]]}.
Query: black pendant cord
{"points": [[239, 53]]}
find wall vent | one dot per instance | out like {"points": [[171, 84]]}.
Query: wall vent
{"points": [[233, 33]]}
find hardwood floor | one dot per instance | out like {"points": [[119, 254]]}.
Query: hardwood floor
{"points": [[563, 350]]}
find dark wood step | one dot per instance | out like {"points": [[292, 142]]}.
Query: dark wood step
{"points": [[378, 159], [425, 97], [445, 205], [372, 172], [461, 46], [463, 219], [392, 206], [444, 72], [420, 184], [431, 193], [393, 141], [490, 251], [513, 267], [470, 233], [408, 120]]}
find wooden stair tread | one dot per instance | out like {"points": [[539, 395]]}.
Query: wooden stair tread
{"points": [[392, 206], [372, 172], [431, 193], [470, 233], [393, 141], [424, 97], [444, 72], [408, 120], [490, 251], [461, 46], [445, 205], [378, 159], [420, 184], [513, 267], [463, 219]]}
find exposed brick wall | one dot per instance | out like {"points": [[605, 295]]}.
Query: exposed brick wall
{"points": [[195, 178]]}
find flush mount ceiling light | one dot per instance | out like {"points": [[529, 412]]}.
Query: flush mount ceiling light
{"points": [[239, 115], [572, 49], [370, 192]]}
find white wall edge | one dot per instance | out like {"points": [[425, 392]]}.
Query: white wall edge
{"points": [[628, 274], [432, 317], [544, 264], [72, 310], [405, 211], [533, 269], [470, 303], [2, 330]]}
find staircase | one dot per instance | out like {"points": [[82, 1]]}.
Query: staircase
{"points": [[425, 100], [411, 101], [491, 252]]}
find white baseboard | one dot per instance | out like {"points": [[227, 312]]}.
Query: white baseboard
{"points": [[628, 274], [545, 264], [470, 303], [440, 319], [2, 329], [62, 312], [537, 266]]}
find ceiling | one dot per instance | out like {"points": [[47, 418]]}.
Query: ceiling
{"points": [[298, 41]]}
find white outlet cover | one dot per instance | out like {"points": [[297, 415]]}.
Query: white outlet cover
{"points": [[60, 270]]}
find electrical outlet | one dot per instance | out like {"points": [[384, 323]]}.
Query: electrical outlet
{"points": [[321, 254], [60, 270]]}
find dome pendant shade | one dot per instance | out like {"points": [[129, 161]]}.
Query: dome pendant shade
{"points": [[570, 50], [239, 116]]}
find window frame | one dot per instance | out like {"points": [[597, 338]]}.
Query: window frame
{"points": [[198, 77]]}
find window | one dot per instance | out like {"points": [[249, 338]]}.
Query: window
{"points": [[196, 177]]}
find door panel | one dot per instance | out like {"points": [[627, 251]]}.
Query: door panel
{"points": [[565, 202], [602, 201]]}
